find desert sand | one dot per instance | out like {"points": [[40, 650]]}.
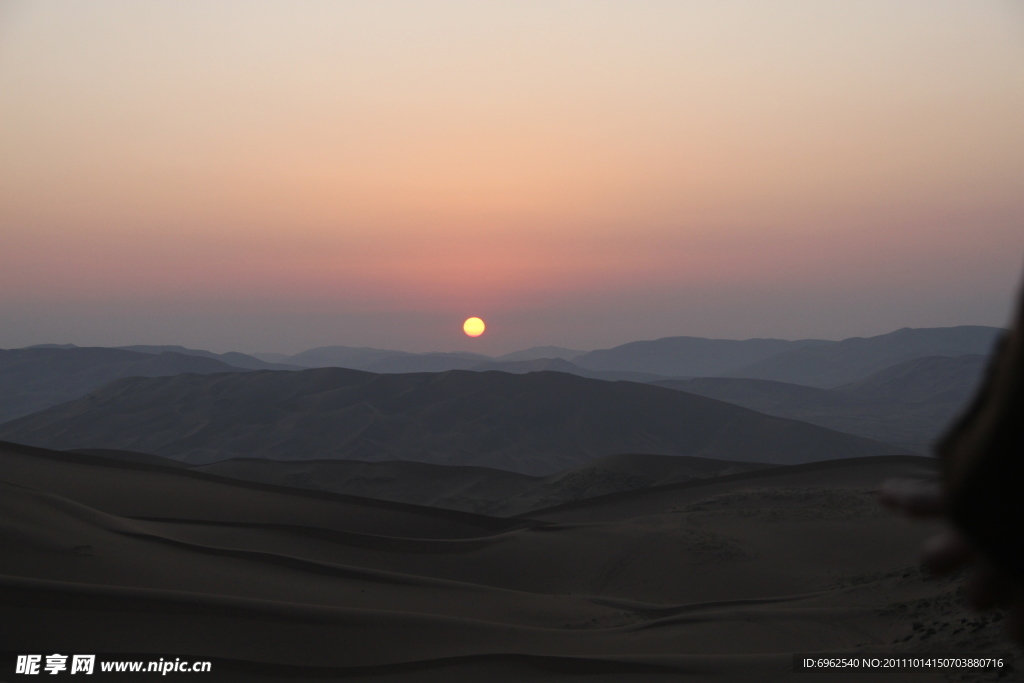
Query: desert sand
{"points": [[721, 578]]}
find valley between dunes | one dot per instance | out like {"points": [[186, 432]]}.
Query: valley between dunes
{"points": [[717, 578]]}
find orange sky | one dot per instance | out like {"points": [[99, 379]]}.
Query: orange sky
{"points": [[279, 175]]}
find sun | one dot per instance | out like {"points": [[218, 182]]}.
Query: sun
{"points": [[474, 327]]}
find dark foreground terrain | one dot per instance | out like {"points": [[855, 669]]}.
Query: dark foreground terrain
{"points": [[720, 578]]}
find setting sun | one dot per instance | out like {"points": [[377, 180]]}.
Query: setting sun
{"points": [[474, 327]]}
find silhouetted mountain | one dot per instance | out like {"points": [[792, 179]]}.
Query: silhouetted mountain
{"points": [[382, 360], [811, 362], [838, 363], [424, 362], [537, 423], [689, 356], [764, 395], [560, 365], [356, 357], [36, 378], [933, 379], [539, 352], [280, 358], [909, 404], [233, 358]]}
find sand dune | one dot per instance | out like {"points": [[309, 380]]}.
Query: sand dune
{"points": [[476, 489], [718, 579]]}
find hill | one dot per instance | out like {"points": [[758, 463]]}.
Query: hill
{"points": [[688, 356], [424, 362], [33, 379], [536, 424], [719, 579], [380, 360], [909, 404], [561, 365], [519, 362], [233, 358], [933, 379], [832, 365], [538, 352], [810, 362]]}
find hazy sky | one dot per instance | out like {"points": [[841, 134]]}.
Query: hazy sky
{"points": [[272, 176]]}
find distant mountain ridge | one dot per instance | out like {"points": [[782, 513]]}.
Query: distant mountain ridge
{"points": [[232, 358], [540, 352], [535, 423], [909, 404], [932, 379], [560, 365], [366, 358], [34, 379], [688, 356], [380, 360], [838, 363], [810, 362]]}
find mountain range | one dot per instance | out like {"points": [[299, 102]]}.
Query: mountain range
{"points": [[365, 358], [690, 356], [837, 363], [36, 378], [232, 358], [908, 405], [535, 423], [810, 362]]}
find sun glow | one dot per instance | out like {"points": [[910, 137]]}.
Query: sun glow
{"points": [[474, 327]]}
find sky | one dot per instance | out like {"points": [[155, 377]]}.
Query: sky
{"points": [[276, 176]]}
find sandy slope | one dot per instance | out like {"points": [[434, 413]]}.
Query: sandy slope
{"points": [[475, 489], [721, 579]]}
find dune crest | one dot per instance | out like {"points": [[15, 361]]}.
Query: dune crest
{"points": [[719, 578]]}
